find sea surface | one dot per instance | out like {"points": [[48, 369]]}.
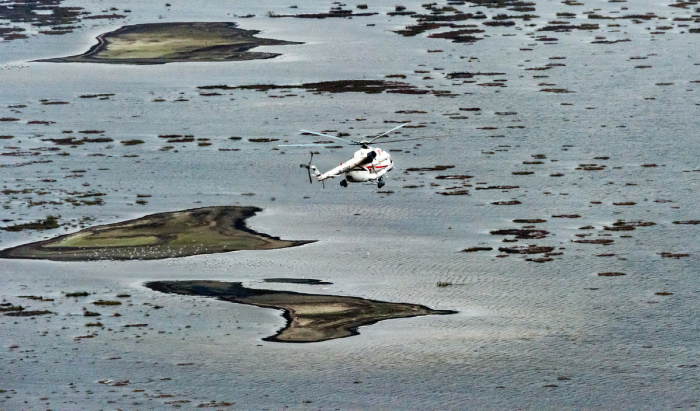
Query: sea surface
{"points": [[618, 142]]}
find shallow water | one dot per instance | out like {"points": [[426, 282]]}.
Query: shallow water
{"points": [[521, 325]]}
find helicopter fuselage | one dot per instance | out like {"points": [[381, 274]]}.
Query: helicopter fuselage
{"points": [[367, 165], [381, 165]]}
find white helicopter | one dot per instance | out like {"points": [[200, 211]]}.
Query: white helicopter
{"points": [[368, 164]]}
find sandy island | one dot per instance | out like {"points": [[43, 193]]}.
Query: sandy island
{"points": [[160, 43], [310, 317], [164, 235]]}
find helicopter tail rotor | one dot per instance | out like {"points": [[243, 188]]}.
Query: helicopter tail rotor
{"points": [[309, 168]]}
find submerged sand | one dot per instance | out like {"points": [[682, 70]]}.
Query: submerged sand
{"points": [[160, 43]]}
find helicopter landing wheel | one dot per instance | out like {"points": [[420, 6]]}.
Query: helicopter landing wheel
{"points": [[344, 183], [380, 183]]}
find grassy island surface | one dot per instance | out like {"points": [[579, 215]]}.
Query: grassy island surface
{"points": [[164, 235], [160, 43], [310, 317]]}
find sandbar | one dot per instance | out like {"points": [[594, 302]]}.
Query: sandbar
{"points": [[310, 317], [164, 235], [160, 43]]}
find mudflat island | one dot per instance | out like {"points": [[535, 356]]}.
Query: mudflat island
{"points": [[197, 231], [160, 43], [310, 317]]}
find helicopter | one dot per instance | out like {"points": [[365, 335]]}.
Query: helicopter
{"points": [[368, 164]]}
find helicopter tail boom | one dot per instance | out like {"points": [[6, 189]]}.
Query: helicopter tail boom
{"points": [[315, 171]]}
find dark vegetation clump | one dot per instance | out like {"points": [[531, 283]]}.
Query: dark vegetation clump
{"points": [[338, 86], [449, 17], [103, 302], [531, 249], [8, 307], [28, 313], [525, 17], [78, 294], [106, 16], [72, 141], [454, 193], [132, 142], [601, 241], [39, 13], [35, 297], [474, 249], [671, 255], [435, 168], [569, 27], [609, 41], [466, 74], [524, 233], [96, 95], [460, 36], [262, 140], [336, 12], [497, 188], [453, 177], [505, 23], [49, 223], [181, 140], [541, 260], [621, 225]]}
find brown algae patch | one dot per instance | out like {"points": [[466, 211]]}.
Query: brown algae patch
{"points": [[310, 317], [160, 43], [164, 235]]}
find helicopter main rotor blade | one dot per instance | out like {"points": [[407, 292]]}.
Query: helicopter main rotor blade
{"points": [[406, 139], [329, 136], [387, 132], [305, 145]]}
